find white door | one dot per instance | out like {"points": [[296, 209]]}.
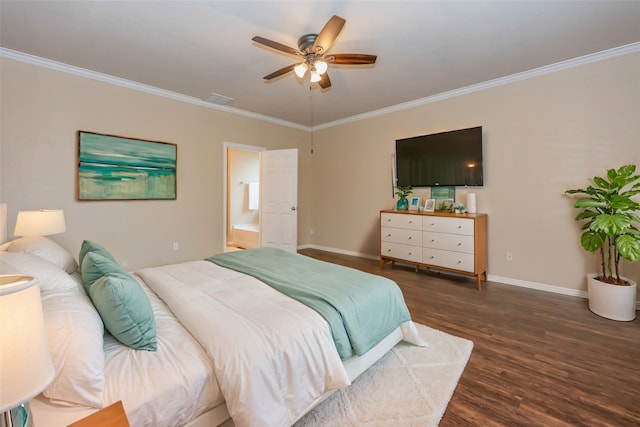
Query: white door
{"points": [[279, 199]]}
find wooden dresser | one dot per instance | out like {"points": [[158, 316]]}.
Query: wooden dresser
{"points": [[454, 242]]}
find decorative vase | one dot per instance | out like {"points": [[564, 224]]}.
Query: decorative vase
{"points": [[612, 301], [402, 204]]}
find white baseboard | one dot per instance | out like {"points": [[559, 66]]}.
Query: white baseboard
{"points": [[492, 278], [539, 286]]}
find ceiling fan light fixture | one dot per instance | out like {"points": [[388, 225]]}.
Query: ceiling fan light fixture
{"points": [[320, 66], [315, 76], [300, 69]]}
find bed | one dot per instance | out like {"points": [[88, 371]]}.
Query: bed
{"points": [[227, 348]]}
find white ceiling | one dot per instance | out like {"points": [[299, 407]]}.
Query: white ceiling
{"points": [[424, 48]]}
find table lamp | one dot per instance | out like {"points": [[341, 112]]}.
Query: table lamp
{"points": [[26, 367], [40, 223]]}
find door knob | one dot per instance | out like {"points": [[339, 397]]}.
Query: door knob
{"points": [[293, 208]]}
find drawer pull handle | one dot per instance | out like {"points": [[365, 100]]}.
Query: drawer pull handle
{"points": [[433, 240], [389, 235], [431, 257], [410, 222], [410, 237], [388, 219], [459, 262], [459, 244], [388, 250], [459, 226]]}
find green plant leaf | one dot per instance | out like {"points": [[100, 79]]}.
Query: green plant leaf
{"points": [[601, 182], [620, 202], [591, 241], [611, 225], [629, 247], [586, 215], [589, 202]]}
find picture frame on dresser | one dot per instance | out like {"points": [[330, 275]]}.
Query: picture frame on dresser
{"points": [[430, 205], [445, 205], [414, 204]]}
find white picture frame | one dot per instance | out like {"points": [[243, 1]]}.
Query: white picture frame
{"points": [[446, 205], [414, 203], [430, 205]]}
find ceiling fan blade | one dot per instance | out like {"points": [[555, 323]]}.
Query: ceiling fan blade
{"points": [[275, 45], [328, 34], [351, 58], [280, 72], [325, 81]]}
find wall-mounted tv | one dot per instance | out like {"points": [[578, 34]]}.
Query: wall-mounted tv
{"points": [[451, 158]]}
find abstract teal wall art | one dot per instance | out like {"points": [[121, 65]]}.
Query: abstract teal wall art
{"points": [[116, 168]]}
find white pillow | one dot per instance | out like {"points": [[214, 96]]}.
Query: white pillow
{"points": [[75, 333], [49, 276], [46, 249]]}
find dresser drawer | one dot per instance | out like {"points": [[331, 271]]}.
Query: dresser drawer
{"points": [[401, 235], [409, 222], [448, 259], [450, 242], [448, 225], [400, 251]]}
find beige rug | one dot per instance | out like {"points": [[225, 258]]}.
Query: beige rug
{"points": [[410, 386]]}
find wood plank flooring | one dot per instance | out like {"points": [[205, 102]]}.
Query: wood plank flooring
{"points": [[539, 359]]}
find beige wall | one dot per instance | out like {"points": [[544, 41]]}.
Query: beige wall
{"points": [[41, 112], [541, 136]]}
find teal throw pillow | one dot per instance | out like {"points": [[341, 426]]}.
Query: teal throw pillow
{"points": [[125, 310], [94, 266], [89, 246]]}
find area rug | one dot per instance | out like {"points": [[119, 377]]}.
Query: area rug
{"points": [[409, 386]]}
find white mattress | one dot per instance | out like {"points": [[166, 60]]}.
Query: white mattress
{"points": [[168, 387]]}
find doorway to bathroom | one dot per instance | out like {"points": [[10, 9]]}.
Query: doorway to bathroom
{"points": [[242, 197]]}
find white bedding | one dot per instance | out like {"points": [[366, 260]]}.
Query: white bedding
{"points": [[274, 357], [165, 388]]}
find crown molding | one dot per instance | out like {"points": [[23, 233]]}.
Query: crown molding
{"points": [[558, 66], [106, 78], [129, 84]]}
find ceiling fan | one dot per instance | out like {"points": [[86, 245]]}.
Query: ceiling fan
{"points": [[312, 51]]}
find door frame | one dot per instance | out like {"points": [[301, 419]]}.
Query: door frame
{"points": [[225, 174]]}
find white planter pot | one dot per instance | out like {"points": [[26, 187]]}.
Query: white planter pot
{"points": [[611, 301]]}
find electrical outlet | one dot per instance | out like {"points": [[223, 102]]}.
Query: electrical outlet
{"points": [[509, 256], [175, 246]]}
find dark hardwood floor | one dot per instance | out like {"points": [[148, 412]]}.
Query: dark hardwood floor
{"points": [[539, 359]]}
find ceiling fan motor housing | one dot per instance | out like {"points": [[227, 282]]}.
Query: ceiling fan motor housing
{"points": [[305, 43]]}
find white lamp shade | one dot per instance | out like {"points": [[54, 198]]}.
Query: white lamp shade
{"points": [[40, 223], [300, 69], [25, 362], [321, 66], [315, 76]]}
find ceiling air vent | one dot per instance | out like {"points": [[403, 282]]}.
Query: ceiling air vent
{"points": [[214, 98]]}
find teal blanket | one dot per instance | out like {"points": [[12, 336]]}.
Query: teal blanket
{"points": [[361, 308]]}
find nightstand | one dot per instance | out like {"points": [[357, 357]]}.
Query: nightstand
{"points": [[111, 416]]}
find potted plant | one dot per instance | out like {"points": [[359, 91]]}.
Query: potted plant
{"points": [[611, 221], [402, 193]]}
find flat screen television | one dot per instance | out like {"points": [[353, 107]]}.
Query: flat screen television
{"points": [[451, 158]]}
